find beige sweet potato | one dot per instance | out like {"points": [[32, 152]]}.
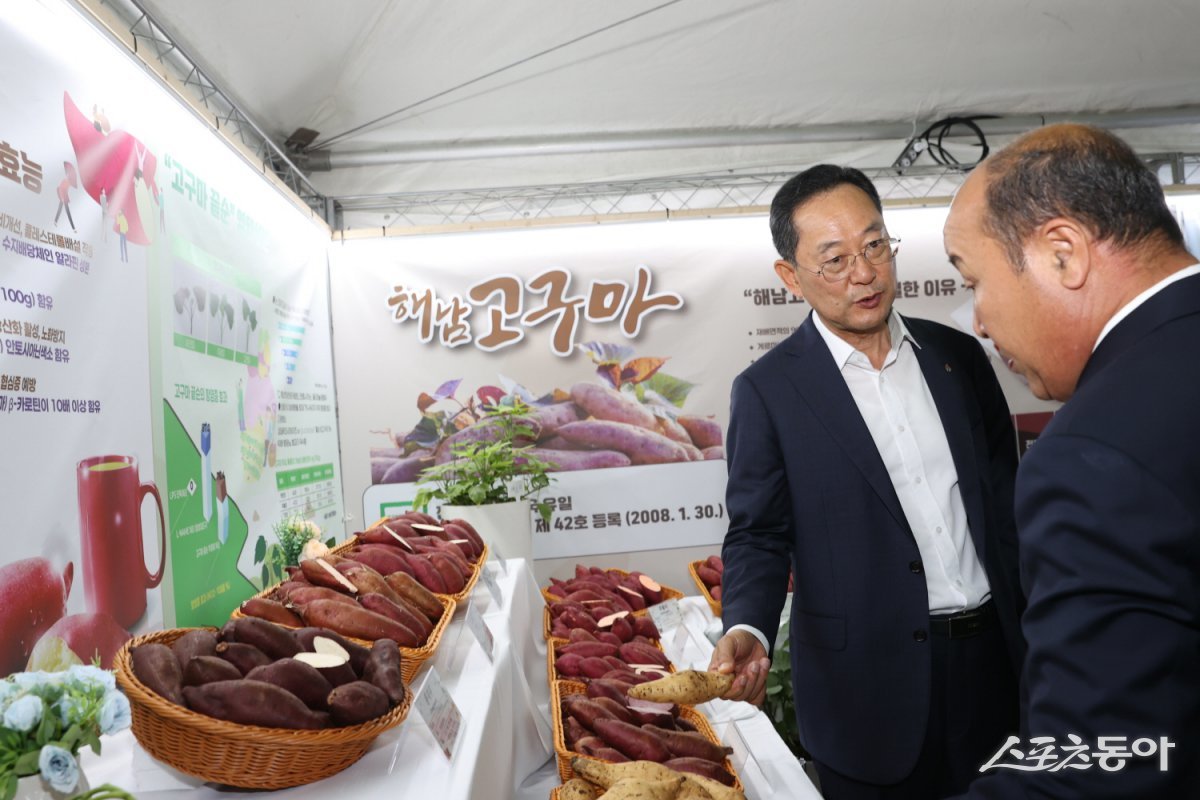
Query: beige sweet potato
{"points": [[577, 789], [634, 789], [605, 775], [156, 666], [702, 768], [253, 703], [643, 446], [574, 460], [705, 431], [604, 403], [688, 687]]}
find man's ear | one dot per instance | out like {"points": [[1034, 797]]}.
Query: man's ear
{"points": [[1064, 246], [787, 274]]}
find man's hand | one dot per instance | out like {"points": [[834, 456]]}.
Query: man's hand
{"points": [[740, 653]]}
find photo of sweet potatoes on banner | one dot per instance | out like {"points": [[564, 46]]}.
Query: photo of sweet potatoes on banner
{"points": [[632, 414]]}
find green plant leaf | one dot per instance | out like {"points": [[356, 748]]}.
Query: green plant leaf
{"points": [[260, 549], [8, 786], [675, 390], [27, 763]]}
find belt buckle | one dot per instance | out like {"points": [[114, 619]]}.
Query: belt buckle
{"points": [[963, 625]]}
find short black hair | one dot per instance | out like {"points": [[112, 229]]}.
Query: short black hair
{"points": [[1079, 172], [803, 187]]}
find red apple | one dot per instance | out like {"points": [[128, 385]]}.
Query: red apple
{"points": [[78, 639], [32, 597]]}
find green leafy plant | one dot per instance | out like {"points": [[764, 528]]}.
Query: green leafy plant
{"points": [[46, 718], [778, 704], [496, 471], [292, 534]]}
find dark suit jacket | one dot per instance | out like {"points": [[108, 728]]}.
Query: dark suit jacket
{"points": [[1108, 515], [808, 490]]}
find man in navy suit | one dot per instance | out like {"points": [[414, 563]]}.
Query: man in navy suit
{"points": [[1082, 279], [873, 455]]}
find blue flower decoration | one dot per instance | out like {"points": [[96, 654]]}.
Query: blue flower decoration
{"points": [[92, 676], [58, 768], [24, 713], [115, 714]]}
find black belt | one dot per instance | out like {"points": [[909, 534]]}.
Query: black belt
{"points": [[964, 624]]}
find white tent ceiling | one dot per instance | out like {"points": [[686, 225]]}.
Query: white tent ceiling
{"points": [[653, 68]]}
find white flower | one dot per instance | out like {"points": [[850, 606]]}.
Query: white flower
{"points": [[115, 714], [8, 689], [58, 768], [24, 713]]}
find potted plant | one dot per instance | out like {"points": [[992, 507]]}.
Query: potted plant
{"points": [[45, 719], [490, 478]]}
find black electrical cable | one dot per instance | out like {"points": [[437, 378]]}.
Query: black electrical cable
{"points": [[933, 139]]}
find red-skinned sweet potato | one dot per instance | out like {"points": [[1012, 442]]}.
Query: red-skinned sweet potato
{"points": [[608, 687], [271, 611], [380, 557], [305, 595], [460, 529], [617, 709], [638, 653], [357, 622], [701, 767], [588, 649], [569, 665], [427, 574], [644, 626], [452, 576], [705, 432], [366, 579], [413, 620], [416, 595], [631, 740], [685, 744], [585, 710]]}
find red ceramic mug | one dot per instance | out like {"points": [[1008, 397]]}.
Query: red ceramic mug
{"points": [[115, 578]]}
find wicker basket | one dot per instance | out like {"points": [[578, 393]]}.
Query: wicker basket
{"points": [[715, 605], [411, 658], [668, 593], [552, 668], [561, 689], [247, 756]]}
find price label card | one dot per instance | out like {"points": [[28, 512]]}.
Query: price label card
{"points": [[666, 615], [440, 713], [494, 549], [483, 634], [489, 580]]}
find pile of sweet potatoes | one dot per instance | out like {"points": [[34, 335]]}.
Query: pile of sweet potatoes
{"points": [[385, 586], [616, 729], [256, 673], [599, 593], [585, 658], [711, 571]]}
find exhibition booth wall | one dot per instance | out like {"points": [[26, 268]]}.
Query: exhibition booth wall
{"points": [[189, 361]]}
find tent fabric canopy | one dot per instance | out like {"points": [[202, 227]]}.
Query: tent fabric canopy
{"points": [[539, 70]]}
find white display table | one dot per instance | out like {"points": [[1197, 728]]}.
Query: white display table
{"points": [[504, 748]]}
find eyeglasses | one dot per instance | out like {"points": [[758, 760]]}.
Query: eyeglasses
{"points": [[877, 252]]}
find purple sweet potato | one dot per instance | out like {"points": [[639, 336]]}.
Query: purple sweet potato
{"points": [[253, 703], [357, 702], [404, 470], [208, 669], [383, 669], [451, 576], [593, 667], [573, 731], [552, 417], [631, 740], [302, 680], [198, 642], [274, 641], [588, 649], [716, 453], [460, 528], [685, 744], [485, 431], [673, 431], [569, 665], [427, 574], [580, 635], [637, 653], [573, 460], [610, 688], [643, 446], [617, 709], [604, 403], [644, 626], [705, 431], [242, 655], [156, 666]]}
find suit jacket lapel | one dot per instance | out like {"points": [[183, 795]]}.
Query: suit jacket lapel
{"points": [[945, 377], [817, 380]]}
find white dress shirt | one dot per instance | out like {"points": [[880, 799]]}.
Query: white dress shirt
{"points": [[903, 420], [1129, 307]]}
